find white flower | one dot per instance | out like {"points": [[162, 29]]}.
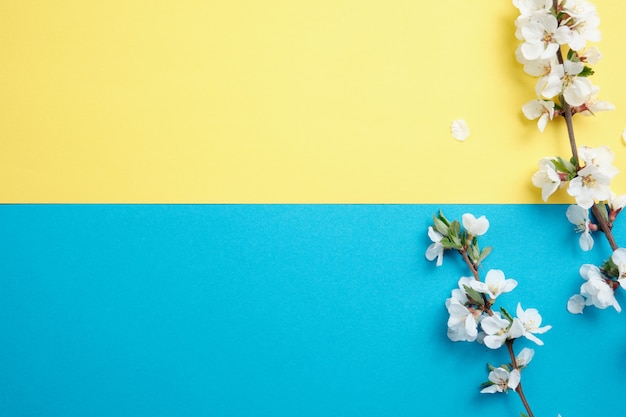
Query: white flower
{"points": [[619, 259], [529, 8], [541, 109], [459, 293], [435, 250], [546, 178], [617, 202], [459, 129], [462, 324], [475, 226], [600, 157], [590, 184], [531, 321], [576, 304], [498, 330], [502, 380], [543, 36], [580, 218], [597, 291], [593, 105], [524, 357], [583, 22], [535, 67], [564, 79], [495, 284], [590, 55], [578, 9]]}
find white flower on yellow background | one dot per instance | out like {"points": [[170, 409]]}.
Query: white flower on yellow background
{"points": [[543, 36], [546, 178], [460, 129], [539, 109]]}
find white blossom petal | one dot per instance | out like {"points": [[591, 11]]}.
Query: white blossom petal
{"points": [[475, 226], [459, 129], [576, 304]]}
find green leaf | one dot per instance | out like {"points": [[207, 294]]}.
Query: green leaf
{"points": [[486, 251], [474, 295], [610, 269], [506, 314], [440, 226], [586, 72], [473, 252], [455, 228], [603, 212], [564, 166], [441, 217], [570, 54], [523, 414], [486, 384], [447, 244]]}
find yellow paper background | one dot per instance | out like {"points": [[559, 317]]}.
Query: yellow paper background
{"points": [[340, 101]]}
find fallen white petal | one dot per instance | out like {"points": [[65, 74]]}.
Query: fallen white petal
{"points": [[576, 304], [459, 129]]}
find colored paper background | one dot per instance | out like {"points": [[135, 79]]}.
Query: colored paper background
{"points": [[326, 101], [283, 310], [279, 310]]}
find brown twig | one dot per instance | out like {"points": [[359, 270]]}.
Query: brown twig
{"points": [[518, 389]]}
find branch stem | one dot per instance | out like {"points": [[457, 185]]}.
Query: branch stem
{"points": [[473, 267], [567, 114], [604, 226], [519, 390]]}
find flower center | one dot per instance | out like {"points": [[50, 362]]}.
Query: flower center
{"points": [[567, 80], [493, 289], [581, 227], [547, 38], [588, 181]]}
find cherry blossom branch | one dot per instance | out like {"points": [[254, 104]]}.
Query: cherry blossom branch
{"points": [[604, 226], [567, 114], [474, 268], [518, 389], [471, 265], [470, 305]]}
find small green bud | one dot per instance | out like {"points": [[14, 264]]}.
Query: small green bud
{"points": [[440, 226]]}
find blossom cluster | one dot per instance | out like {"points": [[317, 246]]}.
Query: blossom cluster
{"points": [[563, 83], [600, 284], [550, 29], [588, 182], [471, 305]]}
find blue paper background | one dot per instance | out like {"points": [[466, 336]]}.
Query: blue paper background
{"points": [[283, 310]]}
